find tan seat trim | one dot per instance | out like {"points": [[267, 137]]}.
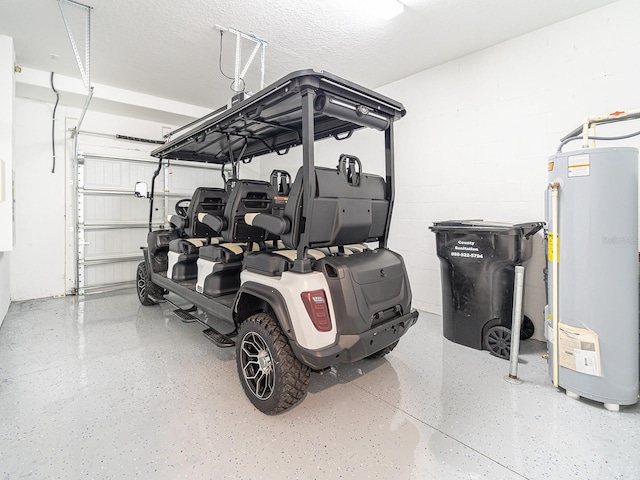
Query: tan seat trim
{"points": [[197, 242], [233, 247], [248, 218], [293, 254]]}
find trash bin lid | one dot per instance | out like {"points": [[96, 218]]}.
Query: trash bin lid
{"points": [[504, 228]]}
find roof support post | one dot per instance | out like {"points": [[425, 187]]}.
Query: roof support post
{"points": [[302, 264], [153, 188], [389, 159]]}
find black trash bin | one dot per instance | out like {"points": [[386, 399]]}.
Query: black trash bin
{"points": [[478, 261]]}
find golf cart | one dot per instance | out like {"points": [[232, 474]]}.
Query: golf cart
{"points": [[297, 266]]}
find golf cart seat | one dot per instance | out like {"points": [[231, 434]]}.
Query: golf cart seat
{"points": [[349, 208], [183, 252], [219, 265]]}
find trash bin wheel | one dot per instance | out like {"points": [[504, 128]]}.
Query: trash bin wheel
{"points": [[527, 329], [498, 341]]}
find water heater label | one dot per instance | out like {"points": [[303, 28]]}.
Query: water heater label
{"points": [[579, 349], [579, 165]]}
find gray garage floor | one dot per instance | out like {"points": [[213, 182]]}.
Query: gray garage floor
{"points": [[106, 388]]}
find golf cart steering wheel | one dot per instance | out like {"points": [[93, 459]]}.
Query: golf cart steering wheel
{"points": [[182, 205]]}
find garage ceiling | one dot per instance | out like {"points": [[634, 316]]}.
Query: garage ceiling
{"points": [[170, 48]]}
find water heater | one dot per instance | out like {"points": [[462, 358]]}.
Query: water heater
{"points": [[592, 281]]}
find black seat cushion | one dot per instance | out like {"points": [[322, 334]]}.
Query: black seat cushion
{"points": [[185, 246], [267, 263], [220, 253]]}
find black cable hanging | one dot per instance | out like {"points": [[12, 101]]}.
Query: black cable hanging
{"points": [[240, 80], [53, 126]]}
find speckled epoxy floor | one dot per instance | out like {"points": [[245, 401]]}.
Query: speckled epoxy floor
{"points": [[105, 388]]}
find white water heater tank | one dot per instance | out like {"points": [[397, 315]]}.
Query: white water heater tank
{"points": [[597, 262]]}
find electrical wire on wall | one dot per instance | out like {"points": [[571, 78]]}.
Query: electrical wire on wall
{"points": [[233, 85], [53, 126]]}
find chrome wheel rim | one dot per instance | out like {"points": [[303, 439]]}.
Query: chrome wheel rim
{"points": [[257, 366]]}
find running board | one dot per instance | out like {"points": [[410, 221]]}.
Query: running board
{"points": [[220, 339], [158, 299], [185, 316]]}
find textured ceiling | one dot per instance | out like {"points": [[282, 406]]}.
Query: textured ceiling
{"points": [[170, 48]]}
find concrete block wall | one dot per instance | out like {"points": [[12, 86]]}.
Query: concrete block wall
{"points": [[479, 129]]}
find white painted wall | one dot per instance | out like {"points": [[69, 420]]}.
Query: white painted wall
{"points": [[479, 129], [7, 58], [37, 261], [366, 144], [5, 285], [38, 264]]}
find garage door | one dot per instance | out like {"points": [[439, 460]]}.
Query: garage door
{"points": [[111, 223]]}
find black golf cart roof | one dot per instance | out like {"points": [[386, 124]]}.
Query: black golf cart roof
{"points": [[271, 120]]}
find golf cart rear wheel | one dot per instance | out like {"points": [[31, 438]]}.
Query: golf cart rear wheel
{"points": [[272, 377], [144, 286], [498, 341], [383, 352]]}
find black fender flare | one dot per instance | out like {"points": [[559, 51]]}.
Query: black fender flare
{"points": [[270, 296]]}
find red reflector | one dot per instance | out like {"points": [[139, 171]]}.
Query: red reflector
{"points": [[316, 304]]}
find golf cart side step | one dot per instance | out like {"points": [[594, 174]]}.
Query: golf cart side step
{"points": [[157, 298], [220, 339], [184, 315]]}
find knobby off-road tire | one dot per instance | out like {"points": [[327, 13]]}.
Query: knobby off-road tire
{"points": [[272, 377], [383, 352], [144, 286]]}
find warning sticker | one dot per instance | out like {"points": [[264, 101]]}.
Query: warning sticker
{"points": [[579, 349], [553, 257], [579, 165]]}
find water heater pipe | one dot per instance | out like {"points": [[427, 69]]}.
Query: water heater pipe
{"points": [[555, 253], [591, 122]]}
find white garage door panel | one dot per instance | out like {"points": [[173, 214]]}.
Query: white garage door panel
{"points": [[183, 179], [114, 243], [100, 209], [107, 276], [112, 223], [115, 173]]}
